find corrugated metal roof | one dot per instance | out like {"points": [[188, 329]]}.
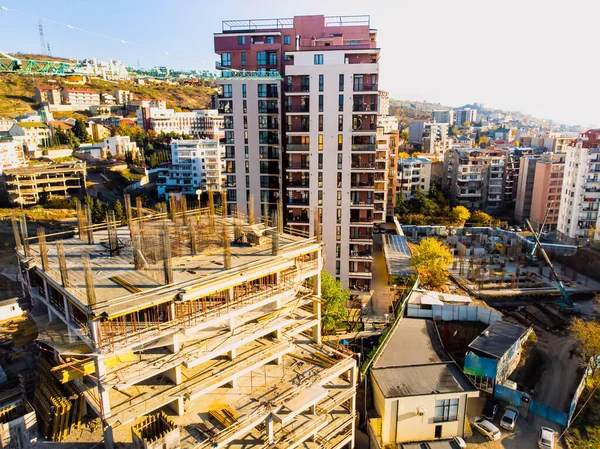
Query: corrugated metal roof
{"points": [[419, 380], [497, 338], [397, 255]]}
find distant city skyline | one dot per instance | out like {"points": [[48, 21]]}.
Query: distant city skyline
{"points": [[513, 56]]}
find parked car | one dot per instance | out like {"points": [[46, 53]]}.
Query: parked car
{"points": [[546, 438], [518, 229], [489, 410], [509, 418], [459, 442], [486, 428]]}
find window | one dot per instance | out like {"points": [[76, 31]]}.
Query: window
{"points": [[446, 410], [339, 216], [339, 180], [287, 40], [245, 106], [340, 160], [320, 161], [243, 58], [340, 122], [244, 91], [245, 122], [340, 142], [320, 123], [286, 58], [229, 137], [247, 163], [272, 58], [318, 59], [242, 40], [261, 58], [226, 59], [230, 152], [342, 82], [320, 142], [320, 103], [338, 233], [320, 194], [247, 181], [339, 197], [341, 103], [337, 265], [270, 40], [227, 91], [320, 83], [338, 250], [320, 179], [305, 84], [245, 137], [245, 152]]}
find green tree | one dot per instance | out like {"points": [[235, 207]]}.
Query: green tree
{"points": [[431, 259], [459, 215], [587, 336], [335, 298], [119, 211], [482, 219], [80, 131], [401, 205], [98, 212]]}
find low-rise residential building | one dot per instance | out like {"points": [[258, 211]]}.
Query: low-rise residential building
{"points": [[146, 103], [465, 177], [121, 146], [29, 185], [462, 142], [80, 97], [419, 393], [48, 95], [431, 138], [37, 132], [580, 196], [5, 125], [389, 123], [197, 166], [12, 154], [98, 131], [442, 116], [201, 123], [414, 174], [123, 97]]}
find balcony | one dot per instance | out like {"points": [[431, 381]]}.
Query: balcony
{"points": [[268, 109], [301, 184], [362, 183], [292, 165], [298, 218], [366, 87], [297, 88], [363, 166], [298, 201], [298, 128], [361, 220], [360, 124], [298, 147], [364, 147], [362, 237], [365, 107]]}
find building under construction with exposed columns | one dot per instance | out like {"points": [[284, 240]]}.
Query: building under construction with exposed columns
{"points": [[214, 320]]}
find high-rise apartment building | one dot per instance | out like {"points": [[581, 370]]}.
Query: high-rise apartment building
{"points": [[524, 192], [442, 116], [384, 102], [547, 187], [496, 166], [315, 143], [461, 116], [465, 177], [580, 194], [414, 174]]}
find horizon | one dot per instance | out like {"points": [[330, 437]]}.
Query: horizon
{"points": [[496, 64]]}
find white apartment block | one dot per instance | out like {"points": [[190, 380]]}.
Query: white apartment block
{"points": [[384, 102], [11, 154], [580, 196], [196, 167], [123, 97], [464, 115], [5, 125], [80, 97], [414, 174], [465, 177], [389, 123], [121, 145], [200, 123], [37, 133], [495, 178], [442, 116], [418, 130]]}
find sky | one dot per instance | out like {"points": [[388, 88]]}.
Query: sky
{"points": [[536, 57]]}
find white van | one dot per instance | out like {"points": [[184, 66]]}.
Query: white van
{"points": [[486, 428]]}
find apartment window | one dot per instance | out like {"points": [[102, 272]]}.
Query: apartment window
{"points": [[270, 40], [320, 179], [340, 142], [226, 59], [230, 181], [242, 40], [305, 84], [229, 137], [339, 216], [320, 142], [340, 122], [245, 152], [320, 83], [261, 58], [245, 106], [341, 103], [319, 59], [287, 40], [320, 161], [320, 103], [245, 137], [286, 58], [232, 195], [320, 195], [340, 160], [337, 265], [227, 91], [338, 250], [446, 410], [247, 166], [338, 233], [339, 180], [230, 152], [320, 123], [339, 197], [247, 181], [245, 122], [244, 91], [243, 58], [341, 82], [272, 58]]}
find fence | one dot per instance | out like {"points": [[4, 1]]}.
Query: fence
{"points": [[539, 409], [455, 313], [519, 398]]}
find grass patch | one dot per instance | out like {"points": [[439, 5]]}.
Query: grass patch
{"points": [[37, 213], [128, 175]]}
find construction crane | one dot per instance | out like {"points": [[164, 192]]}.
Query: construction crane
{"points": [[565, 302], [535, 244]]}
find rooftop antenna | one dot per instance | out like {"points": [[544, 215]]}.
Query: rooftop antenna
{"points": [[42, 41]]}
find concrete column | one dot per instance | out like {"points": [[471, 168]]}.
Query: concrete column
{"points": [[176, 346], [232, 354], [232, 324], [269, 429], [174, 374], [104, 401], [51, 315], [234, 383], [178, 406], [317, 307]]}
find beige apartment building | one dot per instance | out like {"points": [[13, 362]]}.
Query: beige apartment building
{"points": [[547, 187]]}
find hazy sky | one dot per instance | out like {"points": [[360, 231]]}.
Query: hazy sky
{"points": [[538, 57]]}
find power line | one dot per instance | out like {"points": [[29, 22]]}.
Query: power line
{"points": [[93, 33]]}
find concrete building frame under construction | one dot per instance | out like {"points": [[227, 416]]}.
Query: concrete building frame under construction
{"points": [[214, 316]]}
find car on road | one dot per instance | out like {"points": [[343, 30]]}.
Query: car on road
{"points": [[546, 438], [459, 442], [486, 428], [489, 410], [509, 418]]}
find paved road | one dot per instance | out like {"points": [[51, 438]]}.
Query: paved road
{"points": [[382, 297]]}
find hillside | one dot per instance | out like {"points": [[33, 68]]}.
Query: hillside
{"points": [[17, 92]]}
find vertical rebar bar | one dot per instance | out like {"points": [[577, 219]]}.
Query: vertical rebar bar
{"points": [[62, 263], [89, 281], [211, 212], [128, 211], [166, 254], [41, 232], [17, 234], [226, 247], [251, 210], [279, 222], [80, 220], [24, 235], [275, 235], [88, 224], [224, 203]]}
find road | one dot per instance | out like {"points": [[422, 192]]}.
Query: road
{"points": [[382, 296]]}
